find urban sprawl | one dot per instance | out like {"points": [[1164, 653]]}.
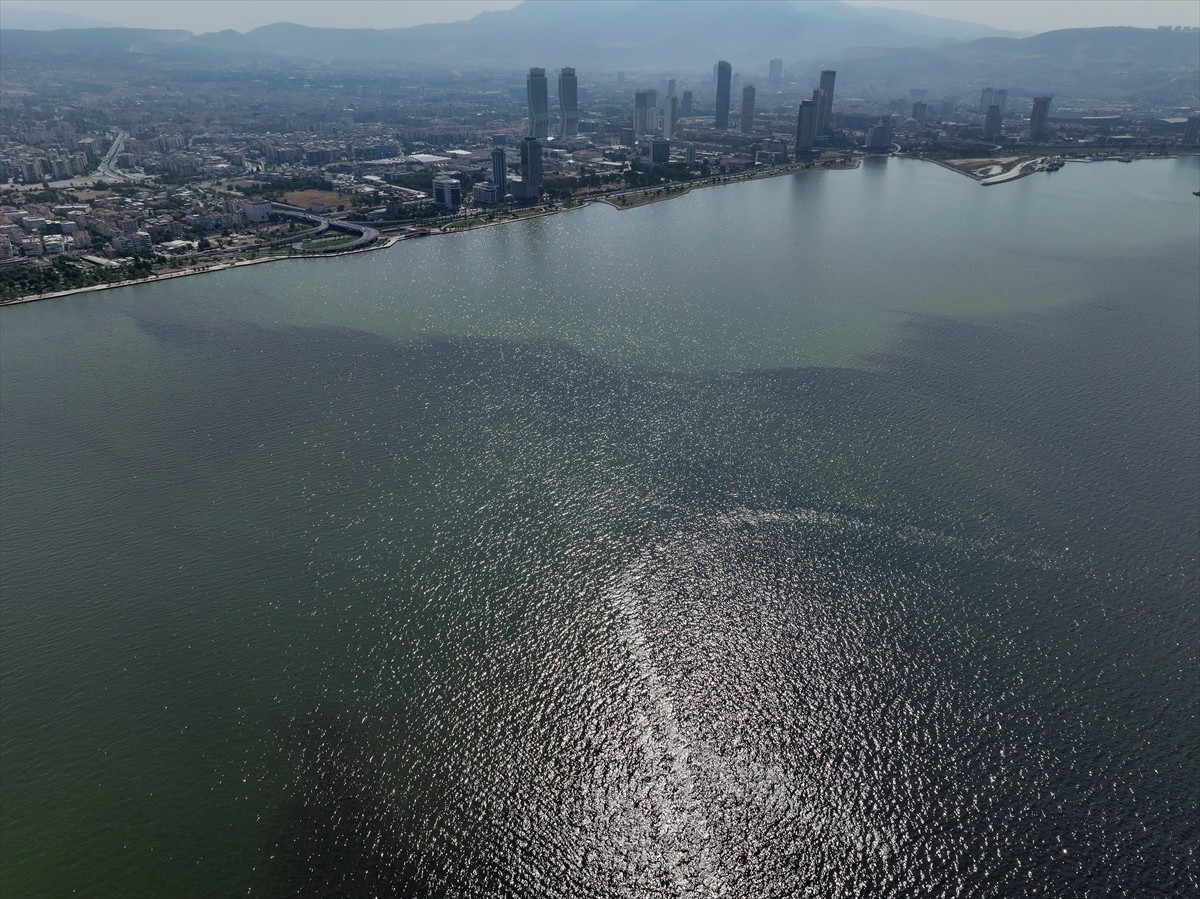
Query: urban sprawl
{"points": [[123, 183]]}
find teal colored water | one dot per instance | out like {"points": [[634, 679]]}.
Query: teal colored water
{"points": [[826, 535]]}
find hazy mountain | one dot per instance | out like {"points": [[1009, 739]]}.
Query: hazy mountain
{"points": [[1103, 63], [633, 34]]}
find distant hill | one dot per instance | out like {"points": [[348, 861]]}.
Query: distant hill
{"points": [[609, 34], [1129, 64]]}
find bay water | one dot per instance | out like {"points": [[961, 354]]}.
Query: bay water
{"points": [[826, 535]]}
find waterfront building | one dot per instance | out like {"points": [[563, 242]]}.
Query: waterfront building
{"points": [[1191, 131], [487, 194], [1038, 119], [447, 192], [724, 74], [537, 95], [993, 125], [660, 151], [806, 128], [828, 76], [685, 104], [818, 98], [774, 72], [568, 103], [531, 169], [500, 171], [748, 107], [879, 137]]}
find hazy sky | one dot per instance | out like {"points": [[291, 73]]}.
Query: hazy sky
{"points": [[242, 15]]}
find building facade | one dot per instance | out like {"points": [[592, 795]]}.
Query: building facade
{"points": [[537, 96], [568, 103], [724, 75], [806, 128], [447, 192], [748, 107], [826, 119], [1039, 119]]}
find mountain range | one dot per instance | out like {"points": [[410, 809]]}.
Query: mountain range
{"points": [[875, 51]]}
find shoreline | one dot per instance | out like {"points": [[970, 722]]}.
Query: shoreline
{"points": [[384, 243], [1020, 169]]}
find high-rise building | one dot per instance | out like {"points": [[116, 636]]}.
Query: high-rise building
{"points": [[1191, 131], [818, 98], [670, 87], [1000, 98], [539, 103], [748, 108], [670, 116], [985, 100], [920, 112], [568, 103], [685, 104], [1038, 124], [806, 128], [993, 125], [724, 74], [879, 137], [641, 113], [500, 171], [827, 78], [531, 169], [660, 151], [775, 72]]}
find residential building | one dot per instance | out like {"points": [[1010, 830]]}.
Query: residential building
{"points": [[1038, 119], [748, 107], [775, 72], [537, 96], [826, 121], [568, 103], [806, 128]]}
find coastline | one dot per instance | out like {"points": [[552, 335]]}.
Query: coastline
{"points": [[383, 244], [642, 198]]}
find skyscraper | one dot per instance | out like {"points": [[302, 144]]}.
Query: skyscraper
{"points": [[827, 78], [670, 115], [818, 98], [531, 169], [568, 103], [993, 125], [920, 112], [985, 100], [685, 104], [724, 74], [670, 87], [775, 72], [500, 171], [806, 128], [1000, 98], [641, 113], [539, 103], [748, 107], [1038, 129]]}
